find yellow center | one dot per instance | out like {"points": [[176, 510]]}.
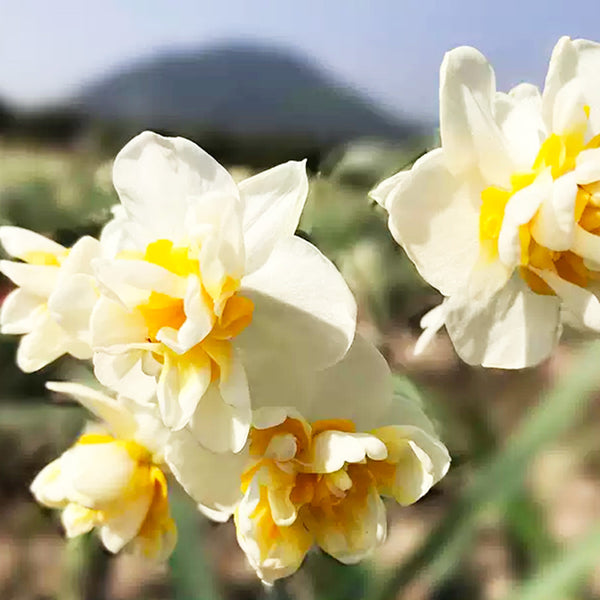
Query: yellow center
{"points": [[558, 155], [232, 313], [321, 499], [147, 478]]}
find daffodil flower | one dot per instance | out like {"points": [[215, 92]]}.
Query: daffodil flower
{"points": [[55, 294], [206, 283], [504, 218], [113, 477], [314, 474]]}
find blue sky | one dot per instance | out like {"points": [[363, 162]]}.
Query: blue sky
{"points": [[390, 49]]}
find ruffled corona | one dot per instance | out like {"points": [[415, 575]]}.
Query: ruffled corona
{"points": [[112, 481], [202, 276], [55, 294], [302, 482], [504, 218]]}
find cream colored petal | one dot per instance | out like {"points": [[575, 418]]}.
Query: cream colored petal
{"points": [[48, 486], [71, 305], [470, 136], [382, 191], [359, 387], [124, 374], [77, 520], [19, 242], [20, 312], [553, 226], [573, 59], [303, 309], [124, 523], [352, 539], [38, 280], [273, 201], [109, 479], [158, 177], [211, 479], [435, 218], [219, 426], [577, 300], [513, 329], [43, 345], [332, 449]]}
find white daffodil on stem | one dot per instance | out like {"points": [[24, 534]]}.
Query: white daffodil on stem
{"points": [[112, 478], [52, 304], [206, 281], [315, 473], [504, 218]]}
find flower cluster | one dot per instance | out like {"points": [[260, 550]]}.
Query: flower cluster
{"points": [[229, 352], [504, 218]]}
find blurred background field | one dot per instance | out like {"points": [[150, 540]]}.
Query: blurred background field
{"points": [[518, 514]]}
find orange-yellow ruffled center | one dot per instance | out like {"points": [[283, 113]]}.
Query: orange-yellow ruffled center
{"points": [[558, 155], [231, 312], [147, 479], [321, 500]]}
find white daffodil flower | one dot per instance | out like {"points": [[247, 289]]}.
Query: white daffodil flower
{"points": [[207, 285], [315, 473], [112, 478], [55, 294], [504, 218]]}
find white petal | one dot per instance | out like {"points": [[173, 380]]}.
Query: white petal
{"points": [[19, 242], [44, 344], [582, 303], [352, 540], [198, 324], [210, 479], [120, 421], [158, 177], [77, 520], [124, 374], [421, 461], [71, 305], [332, 449], [112, 324], [520, 209], [79, 259], [139, 274], [48, 486], [20, 311], [38, 280], [435, 218], [106, 482], [588, 166], [519, 115], [586, 245], [470, 137], [125, 524], [359, 388], [302, 307], [219, 426], [573, 59], [553, 226], [273, 201], [383, 190], [181, 385], [431, 322], [516, 328]]}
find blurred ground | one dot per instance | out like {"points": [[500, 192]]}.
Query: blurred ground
{"points": [[66, 193]]}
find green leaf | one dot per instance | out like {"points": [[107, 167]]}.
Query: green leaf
{"points": [[191, 573], [566, 572], [501, 477]]}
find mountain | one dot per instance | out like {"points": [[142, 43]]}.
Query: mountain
{"points": [[238, 90]]}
